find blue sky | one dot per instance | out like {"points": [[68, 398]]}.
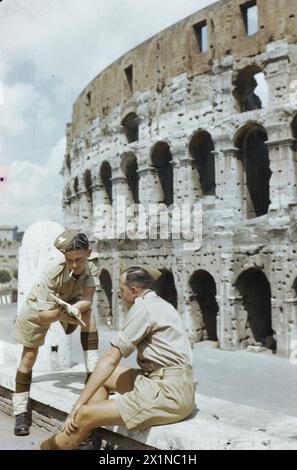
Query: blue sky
{"points": [[49, 51]]}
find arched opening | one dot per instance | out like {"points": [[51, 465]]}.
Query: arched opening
{"points": [[166, 287], [253, 153], [294, 127], [105, 297], [68, 162], [130, 125], [204, 291], [88, 185], [251, 89], [162, 161], [76, 186], [255, 291], [201, 149], [105, 176], [130, 169]]}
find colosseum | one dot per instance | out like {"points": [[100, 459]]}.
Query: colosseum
{"points": [[204, 113]]}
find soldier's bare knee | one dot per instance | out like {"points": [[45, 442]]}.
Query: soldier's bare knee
{"points": [[84, 416]]}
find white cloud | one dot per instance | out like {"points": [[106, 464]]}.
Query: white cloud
{"points": [[34, 192], [70, 41], [22, 105]]}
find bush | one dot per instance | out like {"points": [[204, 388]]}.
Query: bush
{"points": [[4, 276]]}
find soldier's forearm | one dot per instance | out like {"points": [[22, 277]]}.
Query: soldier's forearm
{"points": [[49, 316], [83, 305]]}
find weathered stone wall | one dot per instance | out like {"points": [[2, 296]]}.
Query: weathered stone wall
{"points": [[195, 116]]}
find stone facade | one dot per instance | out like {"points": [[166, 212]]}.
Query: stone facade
{"points": [[179, 121]]}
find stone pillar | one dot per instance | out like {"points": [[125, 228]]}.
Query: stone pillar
{"points": [[120, 203], [226, 317], [150, 189], [67, 212], [75, 220], [36, 251], [102, 219], [84, 222], [283, 182], [290, 306], [229, 180]]}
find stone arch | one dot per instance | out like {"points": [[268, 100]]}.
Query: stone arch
{"points": [[131, 126], [253, 153], [204, 292], [130, 169], [105, 298], [255, 291], [201, 149], [105, 176], [161, 159], [166, 287], [250, 88]]}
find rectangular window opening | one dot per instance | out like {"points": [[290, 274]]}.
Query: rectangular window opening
{"points": [[129, 76], [250, 17], [89, 97], [201, 33]]}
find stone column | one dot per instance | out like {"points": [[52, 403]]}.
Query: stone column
{"points": [[67, 212], [229, 179], [226, 300], [36, 251], [283, 182], [102, 218], [120, 203], [84, 221], [291, 344], [75, 220]]}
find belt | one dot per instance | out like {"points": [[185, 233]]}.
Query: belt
{"points": [[172, 371]]}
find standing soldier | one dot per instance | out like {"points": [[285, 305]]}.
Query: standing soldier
{"points": [[72, 280]]}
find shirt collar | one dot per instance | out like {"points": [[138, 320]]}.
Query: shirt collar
{"points": [[148, 295]]}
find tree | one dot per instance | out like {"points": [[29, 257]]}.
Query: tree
{"points": [[4, 276]]}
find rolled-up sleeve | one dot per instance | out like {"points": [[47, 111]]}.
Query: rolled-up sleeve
{"points": [[90, 281], [137, 327], [44, 287]]}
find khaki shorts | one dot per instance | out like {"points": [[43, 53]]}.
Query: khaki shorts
{"points": [[155, 400], [28, 330]]}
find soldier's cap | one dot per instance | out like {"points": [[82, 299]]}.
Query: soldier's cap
{"points": [[71, 240], [155, 273]]}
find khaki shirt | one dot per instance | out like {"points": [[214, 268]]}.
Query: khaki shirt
{"points": [[154, 328], [55, 279]]}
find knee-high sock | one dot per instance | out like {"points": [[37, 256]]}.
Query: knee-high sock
{"points": [[20, 398], [89, 342]]}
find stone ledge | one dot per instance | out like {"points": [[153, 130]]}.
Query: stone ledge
{"points": [[217, 424]]}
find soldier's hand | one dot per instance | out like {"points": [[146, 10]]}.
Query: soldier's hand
{"points": [[71, 320], [70, 425], [61, 312]]}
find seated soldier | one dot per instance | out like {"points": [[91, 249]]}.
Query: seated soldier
{"points": [[70, 280], [162, 391]]}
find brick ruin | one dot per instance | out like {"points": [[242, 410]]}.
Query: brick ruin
{"points": [[181, 119]]}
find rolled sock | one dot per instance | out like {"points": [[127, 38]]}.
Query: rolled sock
{"points": [[23, 381], [89, 342], [20, 402], [91, 358]]}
